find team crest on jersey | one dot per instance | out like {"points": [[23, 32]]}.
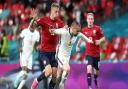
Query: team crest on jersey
{"points": [[56, 25], [94, 32]]}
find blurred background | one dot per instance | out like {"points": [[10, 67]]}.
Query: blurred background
{"points": [[111, 15]]}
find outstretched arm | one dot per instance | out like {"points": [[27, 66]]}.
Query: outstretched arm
{"points": [[34, 15], [78, 45], [20, 38], [98, 42], [59, 31], [84, 38]]}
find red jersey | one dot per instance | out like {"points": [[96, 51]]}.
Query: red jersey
{"points": [[48, 41], [94, 33]]}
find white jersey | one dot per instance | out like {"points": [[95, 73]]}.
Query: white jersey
{"points": [[65, 44], [29, 39], [66, 41]]}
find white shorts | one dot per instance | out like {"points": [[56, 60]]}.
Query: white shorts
{"points": [[62, 60], [26, 60]]}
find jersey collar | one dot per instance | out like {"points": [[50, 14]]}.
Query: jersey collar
{"points": [[70, 32]]}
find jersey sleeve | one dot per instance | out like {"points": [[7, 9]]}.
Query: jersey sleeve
{"points": [[100, 33], [59, 31], [38, 37], [61, 24], [22, 34], [83, 37], [40, 21]]}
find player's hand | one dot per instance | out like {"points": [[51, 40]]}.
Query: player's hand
{"points": [[90, 41], [20, 50], [97, 42], [34, 13], [38, 47], [77, 49], [51, 31], [66, 26]]}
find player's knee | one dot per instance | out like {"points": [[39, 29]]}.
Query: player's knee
{"points": [[95, 76], [48, 72], [54, 72], [66, 67], [89, 69], [24, 68], [89, 75], [96, 71], [25, 75]]}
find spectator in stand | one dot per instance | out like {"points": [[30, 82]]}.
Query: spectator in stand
{"points": [[4, 45]]}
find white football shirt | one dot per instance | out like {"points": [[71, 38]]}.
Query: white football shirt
{"points": [[29, 39]]}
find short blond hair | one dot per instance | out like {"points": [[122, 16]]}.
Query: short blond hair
{"points": [[55, 5]]}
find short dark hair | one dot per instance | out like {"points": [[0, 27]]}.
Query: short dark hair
{"points": [[90, 12], [55, 5]]}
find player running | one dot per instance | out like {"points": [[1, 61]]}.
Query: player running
{"points": [[94, 33], [63, 51], [30, 37], [48, 46]]}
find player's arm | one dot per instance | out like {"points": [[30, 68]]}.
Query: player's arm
{"points": [[84, 38], [78, 45], [101, 36], [98, 42], [59, 31], [20, 38], [38, 41], [34, 15]]}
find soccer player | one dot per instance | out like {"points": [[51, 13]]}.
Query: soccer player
{"points": [[63, 51], [95, 33], [48, 46], [30, 37]]}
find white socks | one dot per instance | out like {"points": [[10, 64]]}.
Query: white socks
{"points": [[21, 79]]}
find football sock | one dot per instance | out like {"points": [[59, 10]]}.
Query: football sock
{"points": [[89, 79]]}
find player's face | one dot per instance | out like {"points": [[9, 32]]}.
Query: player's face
{"points": [[90, 19], [54, 12], [76, 30], [34, 25]]}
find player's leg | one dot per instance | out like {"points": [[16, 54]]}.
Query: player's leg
{"points": [[45, 81], [54, 65], [66, 69], [45, 73], [53, 79], [19, 77], [59, 75], [27, 69], [96, 70], [24, 78], [89, 70]]}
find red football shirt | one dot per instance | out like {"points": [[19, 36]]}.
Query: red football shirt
{"points": [[48, 41], [94, 33]]}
